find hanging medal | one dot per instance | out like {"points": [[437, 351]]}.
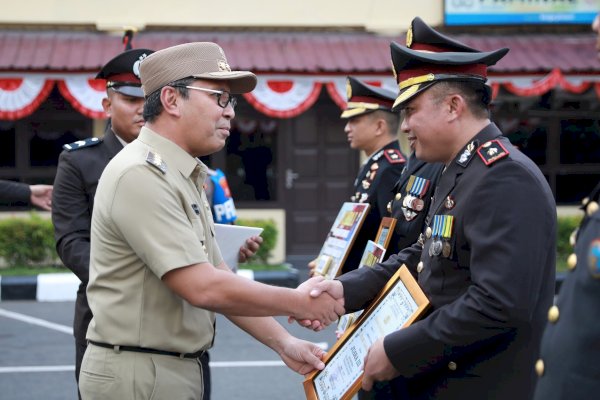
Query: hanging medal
{"points": [[413, 202], [441, 235]]}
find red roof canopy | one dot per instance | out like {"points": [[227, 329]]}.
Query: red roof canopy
{"points": [[290, 52]]}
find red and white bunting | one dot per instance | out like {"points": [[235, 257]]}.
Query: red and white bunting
{"points": [[277, 96], [85, 94], [21, 96], [285, 98]]}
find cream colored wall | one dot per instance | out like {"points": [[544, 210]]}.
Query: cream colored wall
{"points": [[275, 214], [385, 16]]}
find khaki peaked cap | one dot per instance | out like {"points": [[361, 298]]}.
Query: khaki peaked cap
{"points": [[202, 60]]}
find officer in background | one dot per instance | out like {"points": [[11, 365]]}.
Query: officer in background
{"points": [[36, 195], [568, 367], [79, 168], [486, 256], [372, 127]]}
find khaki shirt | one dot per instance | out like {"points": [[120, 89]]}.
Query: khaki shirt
{"points": [[150, 216]]}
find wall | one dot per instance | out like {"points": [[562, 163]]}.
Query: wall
{"points": [[385, 16]]}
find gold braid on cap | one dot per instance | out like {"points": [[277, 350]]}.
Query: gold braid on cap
{"points": [[368, 106], [416, 80]]}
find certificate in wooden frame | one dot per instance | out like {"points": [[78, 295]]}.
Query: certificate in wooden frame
{"points": [[342, 376], [385, 231], [340, 238]]}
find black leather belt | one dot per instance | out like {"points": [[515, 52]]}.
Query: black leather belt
{"points": [[135, 349]]}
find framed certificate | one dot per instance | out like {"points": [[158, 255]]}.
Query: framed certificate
{"points": [[384, 234], [340, 238], [399, 304]]}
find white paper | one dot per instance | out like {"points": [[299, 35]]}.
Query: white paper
{"points": [[346, 366], [230, 238]]}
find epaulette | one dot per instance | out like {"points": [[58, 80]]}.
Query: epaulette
{"points": [[492, 151], [156, 160], [394, 156], [80, 144]]}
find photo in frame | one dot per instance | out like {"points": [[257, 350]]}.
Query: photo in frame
{"points": [[398, 305], [340, 238]]}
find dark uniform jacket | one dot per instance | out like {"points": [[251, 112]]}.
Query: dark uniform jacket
{"points": [[570, 353], [374, 184], [75, 185], [489, 288], [11, 192], [410, 221]]}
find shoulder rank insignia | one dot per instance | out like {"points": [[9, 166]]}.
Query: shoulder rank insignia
{"points": [[394, 156], [155, 160], [492, 151], [80, 144]]}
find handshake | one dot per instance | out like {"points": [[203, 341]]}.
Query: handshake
{"points": [[322, 303]]}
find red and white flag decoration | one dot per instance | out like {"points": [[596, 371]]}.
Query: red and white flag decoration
{"points": [[85, 94], [284, 98], [277, 96], [21, 96]]}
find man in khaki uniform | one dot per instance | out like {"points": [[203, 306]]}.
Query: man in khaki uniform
{"points": [[156, 273]]}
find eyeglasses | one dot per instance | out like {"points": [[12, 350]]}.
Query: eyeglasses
{"points": [[223, 97]]}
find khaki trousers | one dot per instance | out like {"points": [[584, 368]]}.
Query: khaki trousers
{"points": [[107, 375]]}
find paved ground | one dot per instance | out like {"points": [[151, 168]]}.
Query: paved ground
{"points": [[36, 356]]}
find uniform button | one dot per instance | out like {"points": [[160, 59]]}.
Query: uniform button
{"points": [[592, 207], [572, 261], [452, 366], [539, 367], [420, 267], [428, 232], [398, 196], [389, 206], [585, 201], [553, 314], [573, 238]]}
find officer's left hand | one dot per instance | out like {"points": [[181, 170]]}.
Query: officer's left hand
{"points": [[249, 248], [302, 356], [377, 366]]}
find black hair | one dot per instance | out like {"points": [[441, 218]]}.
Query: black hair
{"points": [[153, 106], [476, 94]]}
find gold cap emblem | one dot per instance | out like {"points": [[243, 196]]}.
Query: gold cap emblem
{"points": [[223, 66], [348, 89], [409, 37]]}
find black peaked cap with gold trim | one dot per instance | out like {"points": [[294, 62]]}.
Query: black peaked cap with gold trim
{"points": [[122, 73], [364, 98], [431, 57]]}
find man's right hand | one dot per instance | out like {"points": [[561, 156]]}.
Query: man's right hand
{"points": [[322, 308], [320, 287]]}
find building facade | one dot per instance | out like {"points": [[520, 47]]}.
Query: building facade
{"points": [[287, 155]]}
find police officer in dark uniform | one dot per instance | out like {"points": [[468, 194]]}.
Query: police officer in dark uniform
{"points": [[485, 258], [372, 127], [79, 168], [568, 367]]}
